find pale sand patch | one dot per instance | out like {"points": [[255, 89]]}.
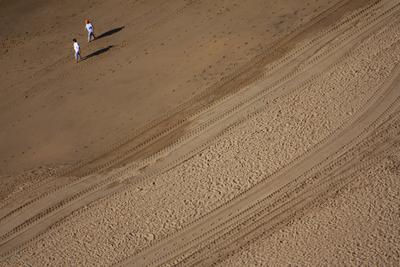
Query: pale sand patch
{"points": [[357, 226]]}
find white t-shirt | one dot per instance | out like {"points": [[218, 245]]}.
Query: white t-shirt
{"points": [[76, 47], [89, 27]]}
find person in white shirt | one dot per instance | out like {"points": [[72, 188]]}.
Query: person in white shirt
{"points": [[90, 30], [77, 50]]}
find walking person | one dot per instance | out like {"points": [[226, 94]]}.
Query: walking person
{"points": [[90, 30], [77, 49]]}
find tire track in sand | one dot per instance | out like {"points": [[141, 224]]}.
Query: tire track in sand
{"points": [[128, 151], [41, 215], [129, 145], [293, 203], [251, 210]]}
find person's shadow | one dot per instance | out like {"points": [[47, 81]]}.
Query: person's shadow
{"points": [[98, 52], [110, 32]]}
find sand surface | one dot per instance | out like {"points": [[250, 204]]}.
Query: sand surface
{"points": [[229, 133]]}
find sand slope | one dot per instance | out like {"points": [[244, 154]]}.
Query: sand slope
{"points": [[165, 54], [202, 132]]}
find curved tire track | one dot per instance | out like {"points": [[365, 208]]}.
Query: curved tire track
{"points": [[98, 164], [109, 180], [359, 137]]}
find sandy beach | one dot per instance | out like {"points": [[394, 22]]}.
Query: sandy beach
{"points": [[200, 133]]}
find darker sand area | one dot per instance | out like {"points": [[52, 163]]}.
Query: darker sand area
{"points": [[199, 133], [165, 54]]}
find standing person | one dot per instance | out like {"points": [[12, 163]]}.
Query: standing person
{"points": [[90, 30], [77, 49]]}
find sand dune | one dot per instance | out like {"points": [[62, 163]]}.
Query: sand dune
{"points": [[236, 133]]}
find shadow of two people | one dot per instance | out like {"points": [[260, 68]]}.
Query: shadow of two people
{"points": [[105, 49]]}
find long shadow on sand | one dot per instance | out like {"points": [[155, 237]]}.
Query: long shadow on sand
{"points": [[110, 32], [98, 52]]}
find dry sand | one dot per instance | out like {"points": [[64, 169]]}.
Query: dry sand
{"points": [[355, 226], [237, 133]]}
